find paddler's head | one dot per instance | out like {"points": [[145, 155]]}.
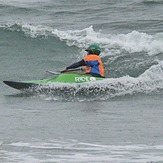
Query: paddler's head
{"points": [[94, 49]]}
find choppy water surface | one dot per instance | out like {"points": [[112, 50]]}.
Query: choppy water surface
{"points": [[118, 119]]}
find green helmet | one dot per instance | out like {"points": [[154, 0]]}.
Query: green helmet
{"points": [[94, 49]]}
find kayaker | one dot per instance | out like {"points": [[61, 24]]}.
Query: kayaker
{"points": [[92, 61]]}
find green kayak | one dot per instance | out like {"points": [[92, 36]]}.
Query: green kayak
{"points": [[61, 78]]}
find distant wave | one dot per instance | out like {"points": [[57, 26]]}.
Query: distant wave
{"points": [[75, 151]]}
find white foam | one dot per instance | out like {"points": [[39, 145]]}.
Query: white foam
{"points": [[35, 31]]}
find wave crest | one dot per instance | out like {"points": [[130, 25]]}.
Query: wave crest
{"points": [[131, 42]]}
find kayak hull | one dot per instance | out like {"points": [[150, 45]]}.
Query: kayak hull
{"points": [[20, 85], [61, 78]]}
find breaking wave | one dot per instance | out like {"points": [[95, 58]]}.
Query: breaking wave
{"points": [[130, 42]]}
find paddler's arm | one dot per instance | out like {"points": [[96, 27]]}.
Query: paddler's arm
{"points": [[75, 65]]}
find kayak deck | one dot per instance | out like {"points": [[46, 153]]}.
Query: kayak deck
{"points": [[67, 78]]}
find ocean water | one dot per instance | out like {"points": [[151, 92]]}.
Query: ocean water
{"points": [[121, 121]]}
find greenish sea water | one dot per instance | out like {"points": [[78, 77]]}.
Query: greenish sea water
{"points": [[120, 124]]}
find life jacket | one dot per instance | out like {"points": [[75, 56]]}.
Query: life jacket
{"points": [[94, 65]]}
